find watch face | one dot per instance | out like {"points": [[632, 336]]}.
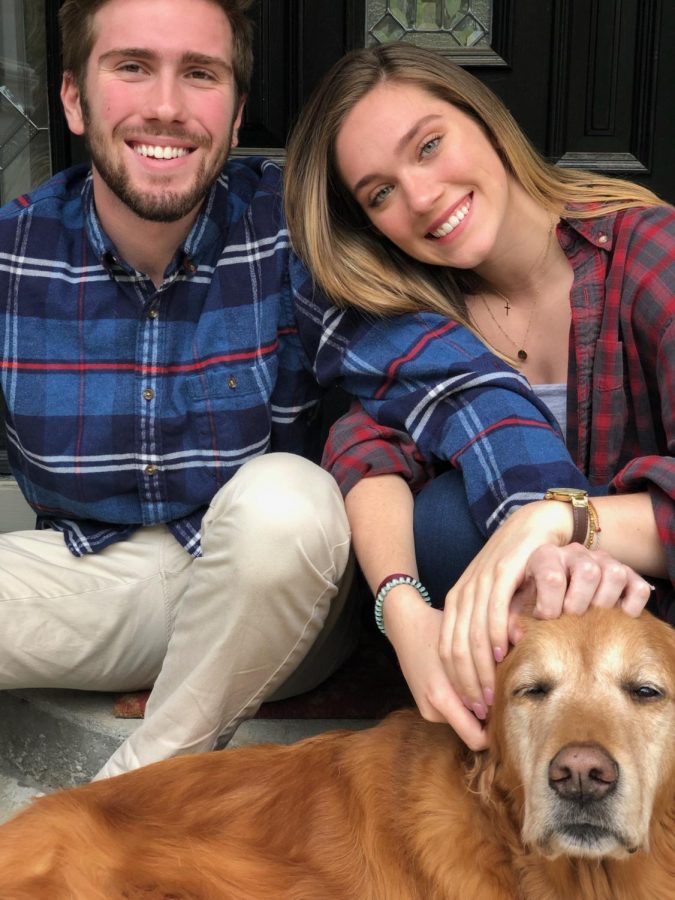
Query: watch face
{"points": [[565, 494]]}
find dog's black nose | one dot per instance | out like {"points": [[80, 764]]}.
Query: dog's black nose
{"points": [[581, 772]]}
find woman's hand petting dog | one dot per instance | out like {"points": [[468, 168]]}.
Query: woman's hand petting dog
{"points": [[526, 562], [415, 632]]}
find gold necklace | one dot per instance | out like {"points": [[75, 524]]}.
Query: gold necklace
{"points": [[521, 352]]}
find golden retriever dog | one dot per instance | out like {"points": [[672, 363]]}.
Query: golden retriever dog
{"points": [[574, 799]]}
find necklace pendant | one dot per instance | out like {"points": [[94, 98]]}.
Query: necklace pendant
{"points": [[522, 355], [507, 305]]}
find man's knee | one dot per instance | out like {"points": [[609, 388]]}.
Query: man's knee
{"points": [[281, 496]]}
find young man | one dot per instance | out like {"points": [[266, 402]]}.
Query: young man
{"points": [[149, 364]]}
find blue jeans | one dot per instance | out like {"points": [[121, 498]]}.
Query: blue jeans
{"points": [[446, 537]]}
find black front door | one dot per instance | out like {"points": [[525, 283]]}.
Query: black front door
{"points": [[592, 82]]}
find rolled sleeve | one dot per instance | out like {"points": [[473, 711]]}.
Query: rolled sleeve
{"points": [[359, 447]]}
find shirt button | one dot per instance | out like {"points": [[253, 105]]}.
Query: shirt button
{"points": [[149, 394], [153, 313], [232, 382], [150, 469], [603, 239]]}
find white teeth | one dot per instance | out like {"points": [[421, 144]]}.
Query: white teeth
{"points": [[452, 222], [160, 152]]}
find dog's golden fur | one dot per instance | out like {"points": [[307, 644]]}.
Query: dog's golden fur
{"points": [[401, 811]]}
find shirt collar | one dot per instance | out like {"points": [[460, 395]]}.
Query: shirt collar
{"points": [[598, 230], [203, 240]]}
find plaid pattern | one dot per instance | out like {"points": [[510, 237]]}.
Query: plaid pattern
{"points": [[465, 408], [130, 405], [359, 447], [622, 413], [460, 404]]}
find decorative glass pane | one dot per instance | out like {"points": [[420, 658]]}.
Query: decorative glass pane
{"points": [[451, 26], [24, 118], [387, 30]]}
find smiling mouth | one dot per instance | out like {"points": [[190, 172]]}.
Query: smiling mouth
{"points": [[452, 222], [154, 151]]}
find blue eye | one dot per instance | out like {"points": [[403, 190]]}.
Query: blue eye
{"points": [[429, 146], [380, 196]]}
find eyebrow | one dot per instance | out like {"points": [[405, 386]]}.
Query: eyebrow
{"points": [[401, 144], [200, 59]]}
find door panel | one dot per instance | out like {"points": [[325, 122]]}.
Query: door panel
{"points": [[296, 41], [603, 112]]}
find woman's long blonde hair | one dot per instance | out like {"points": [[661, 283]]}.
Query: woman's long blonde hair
{"points": [[348, 258]]}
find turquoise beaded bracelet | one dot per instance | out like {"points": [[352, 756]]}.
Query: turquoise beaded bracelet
{"points": [[392, 581]]}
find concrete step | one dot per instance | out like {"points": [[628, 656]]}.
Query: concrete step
{"points": [[59, 738], [52, 739], [16, 791]]}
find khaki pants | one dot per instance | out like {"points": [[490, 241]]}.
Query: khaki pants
{"points": [[265, 610]]}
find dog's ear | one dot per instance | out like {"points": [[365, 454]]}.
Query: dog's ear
{"points": [[521, 612], [481, 769], [480, 774]]}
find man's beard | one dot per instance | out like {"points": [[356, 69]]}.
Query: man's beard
{"points": [[164, 205]]}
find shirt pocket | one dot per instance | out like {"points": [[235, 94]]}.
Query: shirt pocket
{"points": [[231, 386], [229, 407]]}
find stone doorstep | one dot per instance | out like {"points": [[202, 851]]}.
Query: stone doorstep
{"points": [[59, 738], [15, 513]]}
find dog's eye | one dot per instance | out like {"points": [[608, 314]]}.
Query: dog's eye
{"points": [[644, 693], [540, 689]]}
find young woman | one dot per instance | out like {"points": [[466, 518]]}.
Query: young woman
{"points": [[410, 190]]}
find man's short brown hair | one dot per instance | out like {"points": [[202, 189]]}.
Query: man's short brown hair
{"points": [[76, 18]]}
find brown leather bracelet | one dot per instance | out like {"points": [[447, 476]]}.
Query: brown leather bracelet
{"points": [[580, 514]]}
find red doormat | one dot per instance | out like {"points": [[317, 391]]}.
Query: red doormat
{"points": [[368, 686]]}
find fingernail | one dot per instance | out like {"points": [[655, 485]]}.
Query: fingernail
{"points": [[488, 696], [479, 710], [466, 702], [498, 653]]}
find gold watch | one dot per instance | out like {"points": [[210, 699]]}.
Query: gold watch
{"points": [[580, 512]]}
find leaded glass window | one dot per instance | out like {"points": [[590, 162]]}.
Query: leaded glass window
{"points": [[451, 26], [24, 108]]}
